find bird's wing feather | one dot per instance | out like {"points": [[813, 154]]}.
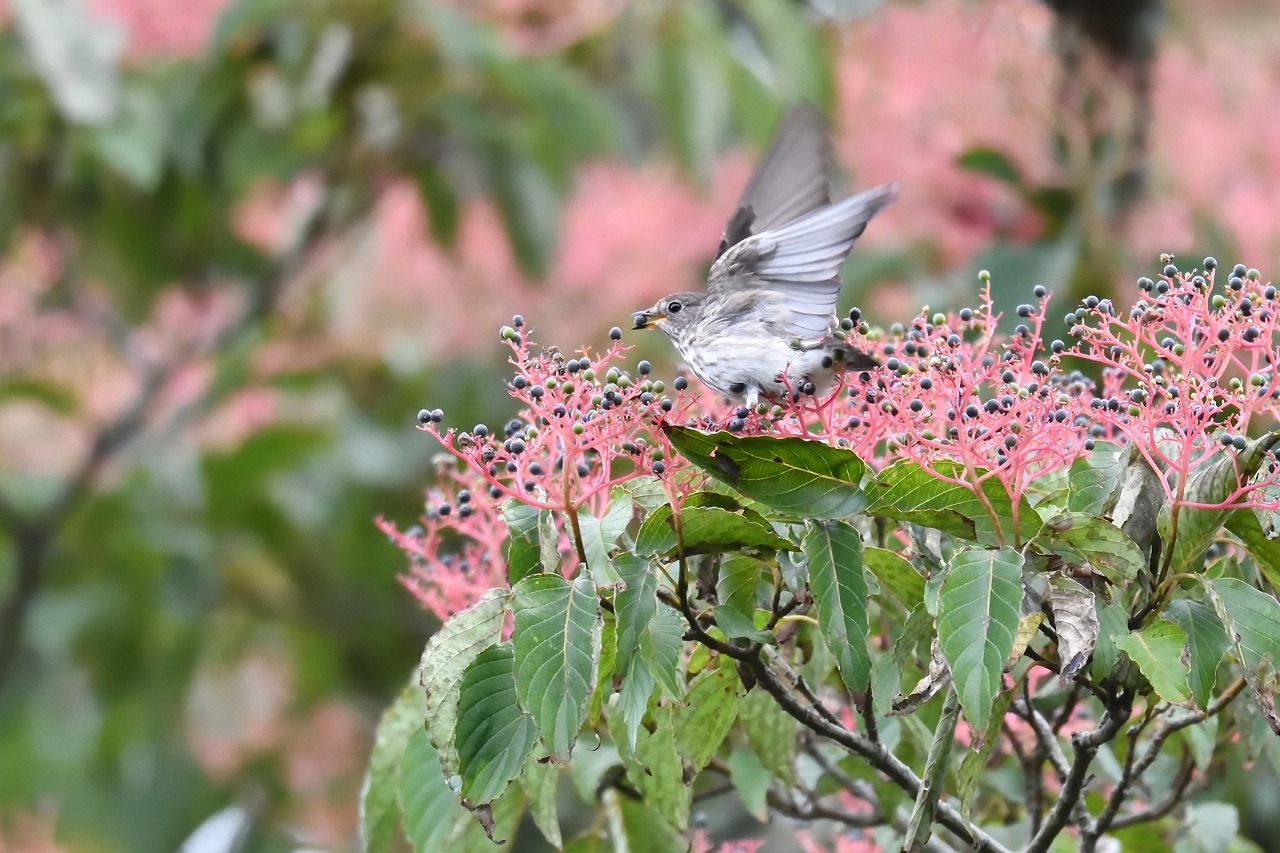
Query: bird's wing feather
{"points": [[791, 180], [799, 262]]}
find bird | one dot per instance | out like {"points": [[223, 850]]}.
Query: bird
{"points": [[766, 324]]}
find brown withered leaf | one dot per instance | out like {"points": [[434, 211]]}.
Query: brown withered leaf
{"points": [[935, 679], [1075, 616]]}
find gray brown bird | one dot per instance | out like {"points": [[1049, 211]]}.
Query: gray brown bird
{"points": [[767, 320]]}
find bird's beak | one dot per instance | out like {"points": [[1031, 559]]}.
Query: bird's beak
{"points": [[645, 319]]}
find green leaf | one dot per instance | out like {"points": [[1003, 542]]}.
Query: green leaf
{"points": [[920, 827], [1208, 828], [1076, 536], [635, 605], [799, 56], [76, 58], [691, 87], [907, 491], [1243, 523], [135, 143], [740, 627], [633, 699], [834, 551], [661, 645], [896, 574], [441, 202], [448, 654], [1211, 483], [736, 591], [431, 811], [977, 620], [1093, 478], [539, 781], [990, 162], [792, 475], [1113, 621], [530, 541], [605, 670], [1206, 644], [771, 733], [641, 831], [492, 825], [974, 765], [1012, 264], [1251, 616], [600, 536], [54, 395], [494, 737], [1157, 650], [708, 530], [656, 534], [736, 584], [656, 772], [379, 803], [557, 648], [529, 208], [709, 710], [751, 779], [647, 493]]}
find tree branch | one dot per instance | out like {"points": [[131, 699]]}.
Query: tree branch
{"points": [[1086, 745]]}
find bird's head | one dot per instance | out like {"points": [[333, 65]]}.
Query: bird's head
{"points": [[672, 314]]}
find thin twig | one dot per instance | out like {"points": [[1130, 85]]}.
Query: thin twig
{"points": [[1045, 738], [1134, 769]]}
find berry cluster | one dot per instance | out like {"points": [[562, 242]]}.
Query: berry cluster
{"points": [[1183, 375]]}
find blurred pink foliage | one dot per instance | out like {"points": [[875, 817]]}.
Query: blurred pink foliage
{"points": [[90, 364], [325, 751], [28, 832], [246, 710], [845, 843], [979, 78], [702, 843], [236, 711], [629, 235], [161, 28], [1215, 141]]}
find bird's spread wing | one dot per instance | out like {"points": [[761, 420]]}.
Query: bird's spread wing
{"points": [[791, 180], [798, 263]]}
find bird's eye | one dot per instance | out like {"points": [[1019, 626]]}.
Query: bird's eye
{"points": [[674, 308]]}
